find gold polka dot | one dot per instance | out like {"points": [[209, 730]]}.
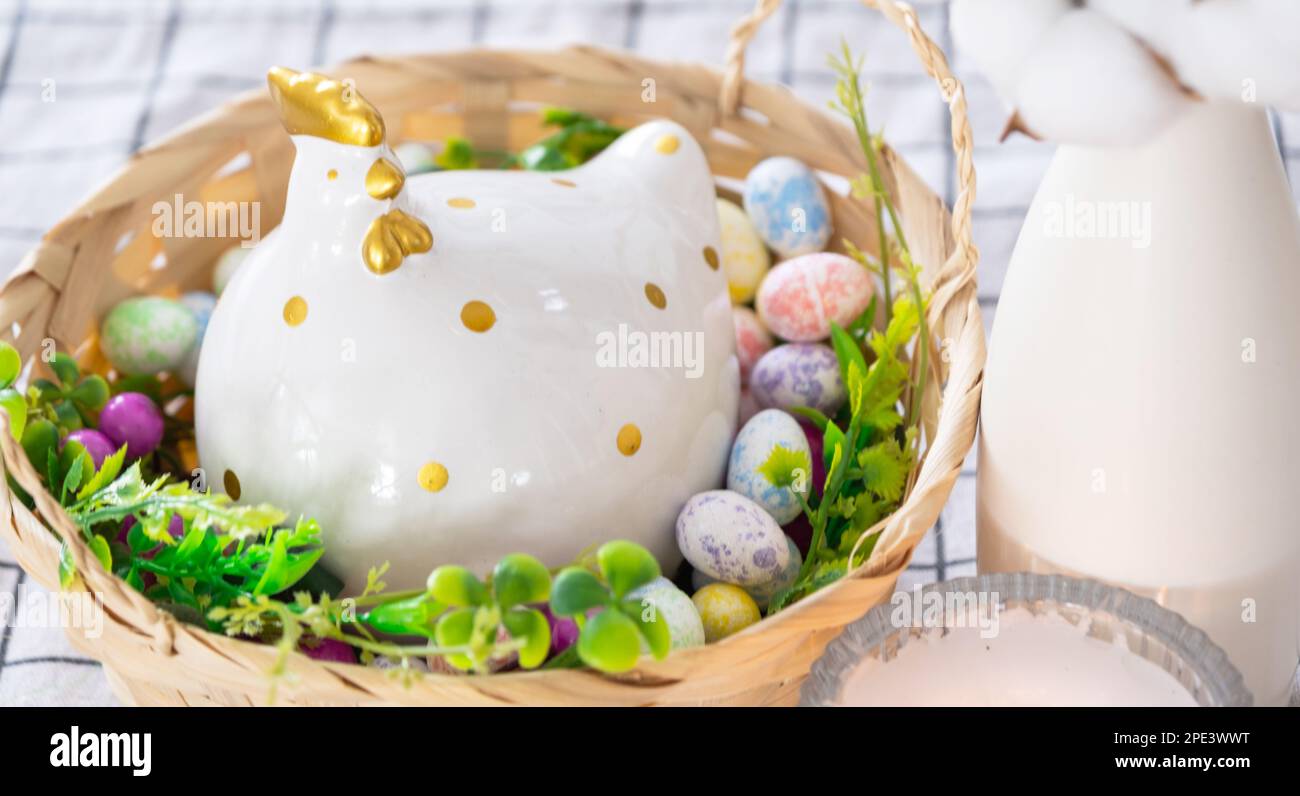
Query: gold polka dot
{"points": [[295, 310], [564, 183], [629, 439], [711, 257], [477, 316], [332, 174], [433, 476], [656, 295], [461, 203], [666, 144], [231, 482]]}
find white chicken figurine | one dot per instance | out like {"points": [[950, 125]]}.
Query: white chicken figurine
{"points": [[467, 364]]}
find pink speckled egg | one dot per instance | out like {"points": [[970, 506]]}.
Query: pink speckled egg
{"points": [[752, 340], [800, 297]]}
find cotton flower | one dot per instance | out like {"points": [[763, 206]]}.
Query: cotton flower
{"points": [[1115, 72]]}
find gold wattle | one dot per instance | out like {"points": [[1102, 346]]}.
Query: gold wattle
{"points": [[385, 179], [320, 106], [390, 238]]}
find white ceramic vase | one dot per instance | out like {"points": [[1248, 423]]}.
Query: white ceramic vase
{"points": [[1139, 418]]}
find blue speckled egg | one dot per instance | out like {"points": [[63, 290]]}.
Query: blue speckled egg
{"points": [[788, 207], [764, 592], [675, 607], [798, 374], [769, 429], [730, 537]]}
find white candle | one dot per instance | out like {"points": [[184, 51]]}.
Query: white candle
{"points": [[1031, 660]]}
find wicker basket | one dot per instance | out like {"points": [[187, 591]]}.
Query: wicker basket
{"points": [[104, 251]]}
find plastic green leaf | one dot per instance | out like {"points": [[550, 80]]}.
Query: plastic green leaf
{"points": [[626, 565], [455, 630], [610, 642], [276, 574], [815, 417], [414, 615], [91, 392], [651, 624], [67, 568], [10, 364], [99, 546], [832, 437], [530, 626], [884, 469], [576, 591], [847, 351], [520, 578], [65, 368], [76, 465], [787, 468], [457, 587], [39, 439], [14, 404], [105, 474]]}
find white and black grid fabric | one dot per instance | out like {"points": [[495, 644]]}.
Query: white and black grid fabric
{"points": [[83, 84]]}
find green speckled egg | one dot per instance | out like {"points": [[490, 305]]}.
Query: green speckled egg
{"points": [[147, 335], [684, 625]]}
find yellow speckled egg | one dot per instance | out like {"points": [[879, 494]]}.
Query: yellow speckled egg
{"points": [[744, 256], [725, 609]]}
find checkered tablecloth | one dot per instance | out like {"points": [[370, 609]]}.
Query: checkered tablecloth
{"points": [[84, 83]]}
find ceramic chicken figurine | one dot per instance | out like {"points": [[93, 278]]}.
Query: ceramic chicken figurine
{"points": [[466, 364]]}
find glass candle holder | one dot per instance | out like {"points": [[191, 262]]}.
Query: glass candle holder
{"points": [[1023, 639]]}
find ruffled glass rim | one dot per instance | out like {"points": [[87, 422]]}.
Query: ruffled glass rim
{"points": [[1157, 634]]}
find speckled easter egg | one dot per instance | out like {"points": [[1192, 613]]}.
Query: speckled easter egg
{"points": [[753, 340], [200, 303], [799, 298], [798, 374], [732, 538], [724, 610], [146, 335], [227, 264], [744, 257], [765, 431], [788, 206], [675, 607], [762, 593]]}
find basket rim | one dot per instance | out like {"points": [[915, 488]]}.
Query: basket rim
{"points": [[166, 628]]}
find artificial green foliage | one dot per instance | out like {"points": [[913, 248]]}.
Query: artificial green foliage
{"points": [[72, 400], [612, 628], [871, 448], [580, 138]]}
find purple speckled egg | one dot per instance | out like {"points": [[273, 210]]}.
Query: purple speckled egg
{"points": [[731, 538], [798, 374], [328, 649], [133, 420], [97, 444]]}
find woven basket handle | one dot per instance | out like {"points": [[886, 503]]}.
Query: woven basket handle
{"points": [[953, 310], [959, 271]]}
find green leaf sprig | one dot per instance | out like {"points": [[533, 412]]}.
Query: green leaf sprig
{"points": [[871, 449]]}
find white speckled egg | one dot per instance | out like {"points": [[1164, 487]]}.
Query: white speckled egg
{"points": [[676, 608], [762, 593], [732, 538], [200, 304], [744, 257], [145, 335], [787, 206], [799, 298], [798, 374], [227, 264], [752, 340], [769, 429]]}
